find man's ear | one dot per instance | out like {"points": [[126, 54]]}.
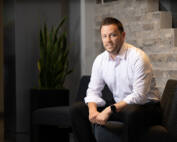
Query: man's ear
{"points": [[123, 34]]}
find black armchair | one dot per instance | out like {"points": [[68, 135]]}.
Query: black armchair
{"points": [[166, 132]]}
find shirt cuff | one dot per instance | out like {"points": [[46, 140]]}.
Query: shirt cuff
{"points": [[99, 101], [130, 99], [127, 100]]}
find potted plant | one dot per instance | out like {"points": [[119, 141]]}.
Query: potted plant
{"points": [[53, 68]]}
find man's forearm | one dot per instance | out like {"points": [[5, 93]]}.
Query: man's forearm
{"points": [[120, 105], [92, 112], [92, 107]]}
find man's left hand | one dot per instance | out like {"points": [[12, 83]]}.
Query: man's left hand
{"points": [[103, 116]]}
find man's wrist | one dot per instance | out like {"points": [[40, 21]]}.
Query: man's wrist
{"points": [[113, 108]]}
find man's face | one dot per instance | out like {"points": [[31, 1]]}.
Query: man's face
{"points": [[112, 38]]}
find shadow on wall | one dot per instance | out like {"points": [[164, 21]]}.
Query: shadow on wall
{"points": [[171, 6]]}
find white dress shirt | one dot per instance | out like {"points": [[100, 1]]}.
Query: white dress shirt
{"points": [[129, 77]]}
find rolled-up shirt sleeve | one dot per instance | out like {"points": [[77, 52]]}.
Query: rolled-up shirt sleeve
{"points": [[96, 85], [141, 82]]}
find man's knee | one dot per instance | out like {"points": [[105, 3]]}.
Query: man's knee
{"points": [[77, 109]]}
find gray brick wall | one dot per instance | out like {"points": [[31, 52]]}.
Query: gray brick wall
{"points": [[147, 28]]}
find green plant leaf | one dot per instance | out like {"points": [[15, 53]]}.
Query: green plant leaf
{"points": [[53, 64]]}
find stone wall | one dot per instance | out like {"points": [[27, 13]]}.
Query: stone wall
{"points": [[147, 28]]}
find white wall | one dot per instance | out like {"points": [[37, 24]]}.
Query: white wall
{"points": [[88, 53]]}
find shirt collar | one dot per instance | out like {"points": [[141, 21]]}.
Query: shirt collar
{"points": [[122, 53]]}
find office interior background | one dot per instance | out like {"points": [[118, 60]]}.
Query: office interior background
{"points": [[20, 22]]}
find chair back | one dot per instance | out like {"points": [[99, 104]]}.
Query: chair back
{"points": [[84, 81], [168, 101], [106, 93], [172, 113]]}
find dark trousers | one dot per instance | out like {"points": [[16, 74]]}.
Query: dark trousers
{"points": [[135, 117]]}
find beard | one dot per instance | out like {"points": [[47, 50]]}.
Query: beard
{"points": [[113, 49]]}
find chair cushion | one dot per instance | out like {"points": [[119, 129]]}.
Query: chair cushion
{"points": [[52, 116]]}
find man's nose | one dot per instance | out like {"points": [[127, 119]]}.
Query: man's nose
{"points": [[108, 38]]}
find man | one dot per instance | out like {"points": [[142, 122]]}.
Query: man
{"points": [[128, 73]]}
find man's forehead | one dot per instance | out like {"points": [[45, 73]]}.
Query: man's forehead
{"points": [[109, 28], [108, 25]]}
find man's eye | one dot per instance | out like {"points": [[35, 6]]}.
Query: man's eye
{"points": [[104, 36], [113, 35]]}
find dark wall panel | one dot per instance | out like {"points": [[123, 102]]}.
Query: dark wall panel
{"points": [[22, 22], [9, 66]]}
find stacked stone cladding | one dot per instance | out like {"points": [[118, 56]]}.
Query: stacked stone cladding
{"points": [[147, 28]]}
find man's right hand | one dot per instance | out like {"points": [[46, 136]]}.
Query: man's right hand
{"points": [[92, 116], [92, 112]]}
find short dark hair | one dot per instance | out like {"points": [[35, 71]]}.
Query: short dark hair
{"points": [[111, 20]]}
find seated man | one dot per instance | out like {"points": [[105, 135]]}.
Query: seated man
{"points": [[128, 73]]}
